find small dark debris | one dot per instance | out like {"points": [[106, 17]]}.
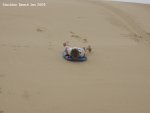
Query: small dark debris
{"points": [[39, 30]]}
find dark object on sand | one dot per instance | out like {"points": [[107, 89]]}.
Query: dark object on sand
{"points": [[77, 58]]}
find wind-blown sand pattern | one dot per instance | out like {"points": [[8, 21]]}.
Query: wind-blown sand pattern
{"points": [[34, 77]]}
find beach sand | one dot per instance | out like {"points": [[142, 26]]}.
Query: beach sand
{"points": [[34, 77]]}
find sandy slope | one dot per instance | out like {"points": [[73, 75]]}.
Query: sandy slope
{"points": [[34, 78]]}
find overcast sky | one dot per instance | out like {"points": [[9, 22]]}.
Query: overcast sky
{"points": [[138, 1]]}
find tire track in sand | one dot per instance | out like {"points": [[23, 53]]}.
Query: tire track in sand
{"points": [[136, 32]]}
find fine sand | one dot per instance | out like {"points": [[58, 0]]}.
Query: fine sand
{"points": [[34, 77]]}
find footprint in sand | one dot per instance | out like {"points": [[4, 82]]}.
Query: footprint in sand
{"points": [[85, 40], [134, 36], [41, 29], [74, 35], [137, 38]]}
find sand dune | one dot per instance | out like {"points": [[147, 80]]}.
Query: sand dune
{"points": [[34, 78]]}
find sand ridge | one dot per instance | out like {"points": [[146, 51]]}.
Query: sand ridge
{"points": [[34, 77]]}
